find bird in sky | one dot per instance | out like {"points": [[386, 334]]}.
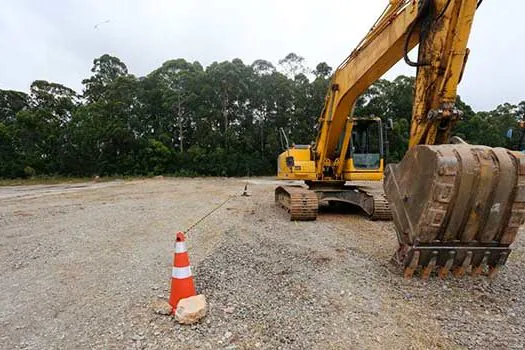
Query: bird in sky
{"points": [[101, 23]]}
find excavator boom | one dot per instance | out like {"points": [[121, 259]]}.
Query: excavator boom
{"points": [[381, 49]]}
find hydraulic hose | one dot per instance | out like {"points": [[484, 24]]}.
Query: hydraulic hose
{"points": [[444, 10], [423, 9]]}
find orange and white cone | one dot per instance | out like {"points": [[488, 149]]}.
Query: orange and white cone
{"points": [[181, 278]]}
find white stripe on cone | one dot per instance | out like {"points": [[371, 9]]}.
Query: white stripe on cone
{"points": [[181, 272], [180, 247]]}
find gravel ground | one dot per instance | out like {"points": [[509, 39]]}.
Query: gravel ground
{"points": [[82, 265]]}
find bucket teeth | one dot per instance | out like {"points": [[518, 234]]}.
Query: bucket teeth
{"points": [[478, 270], [446, 259], [412, 266], [427, 270], [443, 271], [493, 271], [460, 270]]}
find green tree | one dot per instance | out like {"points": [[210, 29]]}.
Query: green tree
{"points": [[221, 120], [106, 69], [292, 65], [173, 121]]}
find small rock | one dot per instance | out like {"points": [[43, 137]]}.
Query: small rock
{"points": [[228, 335], [161, 307], [229, 310], [137, 337], [191, 310]]}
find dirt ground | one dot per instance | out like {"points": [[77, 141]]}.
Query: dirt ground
{"points": [[81, 265]]}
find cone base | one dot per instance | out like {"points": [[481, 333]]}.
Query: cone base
{"points": [[180, 289]]}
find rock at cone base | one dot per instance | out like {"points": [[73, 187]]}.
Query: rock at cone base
{"points": [[162, 307], [191, 310]]}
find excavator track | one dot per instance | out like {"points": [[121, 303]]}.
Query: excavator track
{"points": [[382, 210], [374, 201], [301, 203]]}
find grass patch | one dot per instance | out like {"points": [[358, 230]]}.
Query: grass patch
{"points": [[53, 180]]}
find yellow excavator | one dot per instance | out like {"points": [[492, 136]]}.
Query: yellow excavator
{"points": [[456, 207]]}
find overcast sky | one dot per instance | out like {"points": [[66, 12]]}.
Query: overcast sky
{"points": [[56, 40]]}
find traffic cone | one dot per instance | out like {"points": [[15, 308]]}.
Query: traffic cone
{"points": [[181, 278]]}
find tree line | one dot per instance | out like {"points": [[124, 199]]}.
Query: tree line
{"points": [[186, 119]]}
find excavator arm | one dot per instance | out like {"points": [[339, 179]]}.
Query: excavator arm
{"points": [[442, 28], [444, 31]]}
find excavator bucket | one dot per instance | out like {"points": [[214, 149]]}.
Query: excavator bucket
{"points": [[456, 208]]}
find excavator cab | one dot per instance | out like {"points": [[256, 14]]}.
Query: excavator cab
{"points": [[364, 149], [366, 144]]}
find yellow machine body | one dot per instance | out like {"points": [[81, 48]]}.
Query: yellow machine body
{"points": [[298, 161], [456, 207]]}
